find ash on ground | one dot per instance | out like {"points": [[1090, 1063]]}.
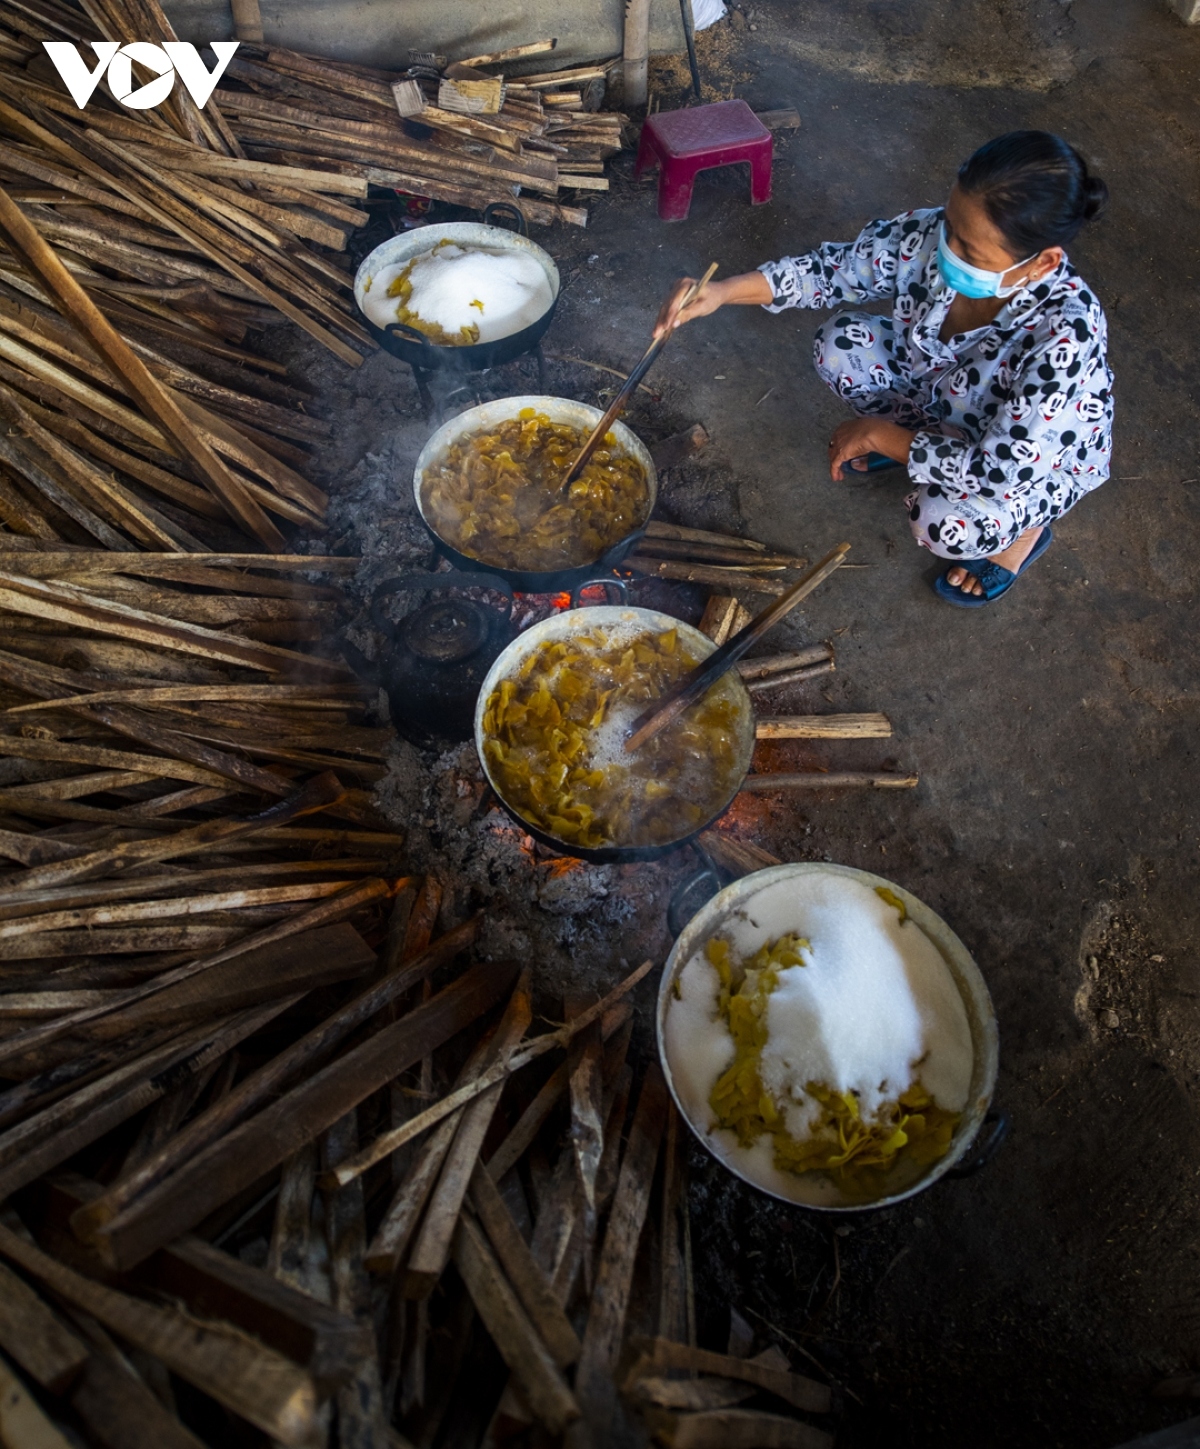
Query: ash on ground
{"points": [[580, 925]]}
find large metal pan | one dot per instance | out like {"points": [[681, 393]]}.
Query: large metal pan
{"points": [[578, 621], [413, 346], [811, 1190], [558, 410]]}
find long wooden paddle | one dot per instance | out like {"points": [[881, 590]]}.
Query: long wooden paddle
{"points": [[699, 680], [617, 406]]}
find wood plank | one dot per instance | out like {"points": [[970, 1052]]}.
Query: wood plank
{"points": [[66, 604], [157, 401], [388, 1143], [262, 1085], [22, 1423], [213, 1284], [614, 1277], [117, 1407], [291, 1250], [531, 1284], [239, 1159], [397, 1227], [50, 1136], [35, 1338], [529, 1124], [823, 727], [431, 1251], [526, 1355], [34, 1040], [247, 1377]]}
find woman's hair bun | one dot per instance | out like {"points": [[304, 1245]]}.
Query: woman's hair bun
{"points": [[1095, 198], [1036, 187]]}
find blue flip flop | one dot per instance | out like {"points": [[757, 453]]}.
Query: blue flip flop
{"points": [[876, 463], [996, 579]]}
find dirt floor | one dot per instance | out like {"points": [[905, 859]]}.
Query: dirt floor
{"points": [[1055, 827]]}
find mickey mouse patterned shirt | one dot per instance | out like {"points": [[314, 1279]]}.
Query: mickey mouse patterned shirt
{"points": [[1019, 411]]}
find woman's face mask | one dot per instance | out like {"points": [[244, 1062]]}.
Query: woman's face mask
{"points": [[971, 281]]}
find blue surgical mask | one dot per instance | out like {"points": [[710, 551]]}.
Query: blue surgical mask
{"points": [[971, 281]]}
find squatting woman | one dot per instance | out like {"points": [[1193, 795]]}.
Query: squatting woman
{"points": [[989, 379]]}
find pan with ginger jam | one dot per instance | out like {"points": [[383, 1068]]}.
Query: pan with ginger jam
{"points": [[555, 733], [497, 496]]}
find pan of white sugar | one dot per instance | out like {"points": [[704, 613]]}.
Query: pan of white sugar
{"points": [[828, 1038], [464, 295]]}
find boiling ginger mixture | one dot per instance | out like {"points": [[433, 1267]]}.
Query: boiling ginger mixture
{"points": [[459, 296], [497, 496], [555, 736], [840, 1047]]}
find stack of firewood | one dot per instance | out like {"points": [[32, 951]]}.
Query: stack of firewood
{"points": [[477, 1292], [171, 199], [246, 1144], [292, 109]]}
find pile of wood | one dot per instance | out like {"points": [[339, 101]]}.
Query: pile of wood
{"points": [[198, 223], [170, 198], [84, 460], [698, 556], [295, 110], [497, 1285]]}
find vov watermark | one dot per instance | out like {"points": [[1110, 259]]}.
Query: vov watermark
{"points": [[165, 61]]}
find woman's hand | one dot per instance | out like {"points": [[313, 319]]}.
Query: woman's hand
{"points": [[749, 289], [672, 314], [860, 436]]}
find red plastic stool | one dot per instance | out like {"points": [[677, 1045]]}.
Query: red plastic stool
{"points": [[684, 142]]}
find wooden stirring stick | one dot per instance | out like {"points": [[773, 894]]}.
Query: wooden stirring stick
{"points": [[617, 406], [699, 680]]}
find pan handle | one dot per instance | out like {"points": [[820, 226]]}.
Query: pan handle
{"points": [[608, 581], [413, 335], [999, 1123], [505, 209], [429, 582], [678, 914]]}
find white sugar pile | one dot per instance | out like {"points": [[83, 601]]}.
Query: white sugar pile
{"points": [[500, 292], [874, 1007]]}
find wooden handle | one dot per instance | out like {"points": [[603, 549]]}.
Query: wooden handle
{"points": [[699, 680], [617, 406]]}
